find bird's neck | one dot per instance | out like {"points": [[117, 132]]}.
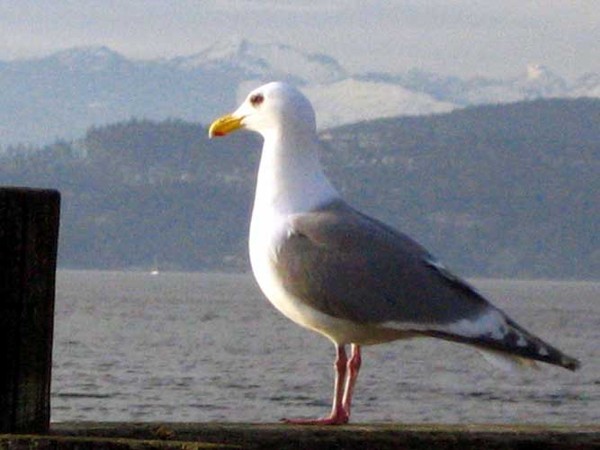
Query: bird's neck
{"points": [[290, 177]]}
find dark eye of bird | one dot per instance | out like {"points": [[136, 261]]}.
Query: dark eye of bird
{"points": [[257, 99]]}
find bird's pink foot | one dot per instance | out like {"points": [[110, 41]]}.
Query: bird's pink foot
{"points": [[343, 389], [339, 418]]}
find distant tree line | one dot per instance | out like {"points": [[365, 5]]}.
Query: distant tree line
{"points": [[505, 191]]}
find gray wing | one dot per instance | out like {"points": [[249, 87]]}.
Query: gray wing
{"points": [[351, 266]]}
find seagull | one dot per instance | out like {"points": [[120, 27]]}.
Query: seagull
{"points": [[345, 275]]}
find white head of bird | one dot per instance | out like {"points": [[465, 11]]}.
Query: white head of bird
{"points": [[268, 110]]}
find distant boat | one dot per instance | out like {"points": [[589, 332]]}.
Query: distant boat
{"points": [[154, 270]]}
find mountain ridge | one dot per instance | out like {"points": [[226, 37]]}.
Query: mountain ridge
{"points": [[62, 94], [496, 190]]}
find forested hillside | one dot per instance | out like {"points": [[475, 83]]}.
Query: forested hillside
{"points": [[508, 190]]}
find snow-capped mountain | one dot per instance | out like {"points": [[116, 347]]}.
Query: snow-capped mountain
{"points": [[266, 61], [63, 94], [366, 100], [479, 91], [588, 85], [92, 59]]}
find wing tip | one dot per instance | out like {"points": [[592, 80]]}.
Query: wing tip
{"points": [[511, 362], [570, 363], [510, 344]]}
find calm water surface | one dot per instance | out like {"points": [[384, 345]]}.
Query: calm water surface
{"points": [[206, 347]]}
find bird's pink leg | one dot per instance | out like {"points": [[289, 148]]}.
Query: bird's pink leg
{"points": [[338, 413], [352, 374]]}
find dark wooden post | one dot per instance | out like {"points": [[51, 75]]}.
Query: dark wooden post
{"points": [[29, 221]]}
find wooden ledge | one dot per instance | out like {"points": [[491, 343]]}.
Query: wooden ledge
{"points": [[123, 436]]}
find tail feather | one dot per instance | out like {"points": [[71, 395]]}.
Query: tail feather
{"points": [[508, 362], [537, 349], [503, 338]]}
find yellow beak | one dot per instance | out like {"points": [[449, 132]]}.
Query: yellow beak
{"points": [[225, 125]]}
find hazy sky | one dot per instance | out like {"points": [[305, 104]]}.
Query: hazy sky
{"points": [[478, 37]]}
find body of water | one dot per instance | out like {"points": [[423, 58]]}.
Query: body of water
{"points": [[209, 347]]}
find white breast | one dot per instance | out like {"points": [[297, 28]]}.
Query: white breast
{"points": [[264, 231]]}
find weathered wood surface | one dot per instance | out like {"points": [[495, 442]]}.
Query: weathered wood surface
{"points": [[29, 220], [83, 436]]}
